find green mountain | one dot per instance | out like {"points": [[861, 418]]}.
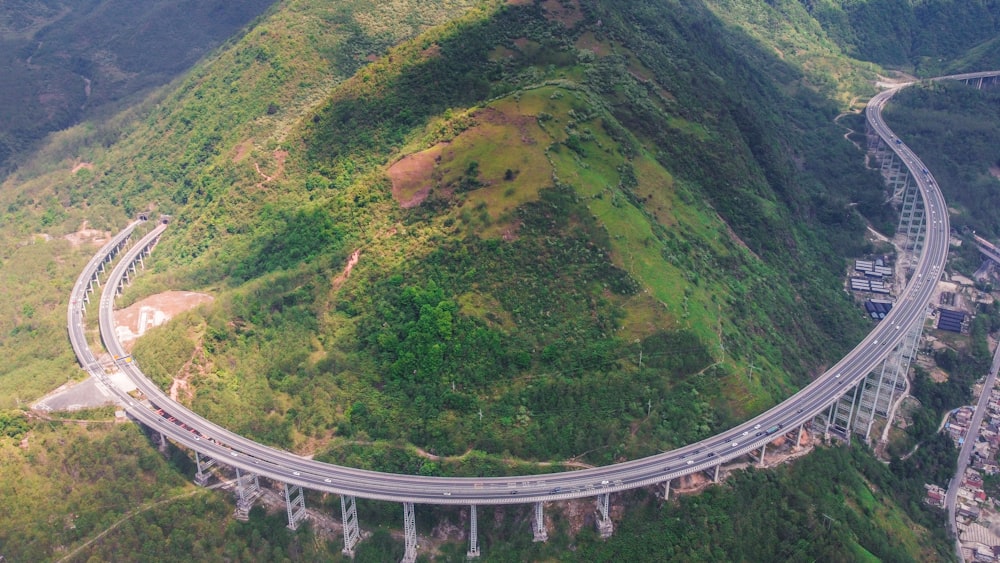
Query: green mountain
{"points": [[66, 61], [511, 232]]}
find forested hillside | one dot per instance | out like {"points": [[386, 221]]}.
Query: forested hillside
{"points": [[510, 232], [66, 60], [925, 35]]}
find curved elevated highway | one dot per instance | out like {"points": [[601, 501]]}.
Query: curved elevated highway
{"points": [[191, 430]]}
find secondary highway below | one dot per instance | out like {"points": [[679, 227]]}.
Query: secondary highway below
{"points": [[190, 430]]}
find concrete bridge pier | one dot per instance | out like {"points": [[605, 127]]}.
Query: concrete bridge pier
{"points": [[666, 489], [709, 473], [604, 524], [763, 449], [473, 552], [247, 491], [829, 419], [912, 217], [295, 504], [712, 473], [981, 82], [843, 416], [352, 532], [538, 524], [798, 437], [202, 476], [409, 534]]}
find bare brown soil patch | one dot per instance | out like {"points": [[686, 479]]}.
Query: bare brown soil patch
{"points": [[279, 167], [431, 52], [260, 172], [346, 273], [415, 175], [500, 52], [938, 375], [279, 161], [242, 150], [510, 231], [411, 176], [492, 115], [88, 235], [82, 166], [567, 14], [590, 42], [134, 320]]}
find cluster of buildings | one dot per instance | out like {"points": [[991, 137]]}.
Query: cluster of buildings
{"points": [[976, 514], [878, 308], [869, 276], [950, 320]]}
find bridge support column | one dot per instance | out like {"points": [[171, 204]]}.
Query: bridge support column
{"points": [[247, 491], [473, 534], [352, 532], [202, 476], [538, 524], [912, 217], [763, 449], [715, 477], [894, 370], [409, 534], [844, 421], [295, 504], [798, 439], [666, 489], [854, 401], [163, 442], [604, 524]]}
